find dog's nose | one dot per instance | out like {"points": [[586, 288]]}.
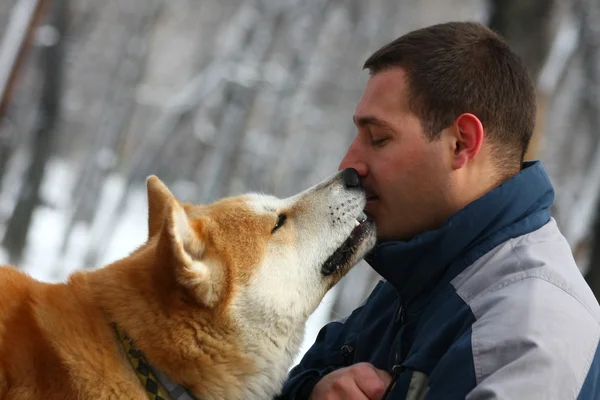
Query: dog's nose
{"points": [[351, 178]]}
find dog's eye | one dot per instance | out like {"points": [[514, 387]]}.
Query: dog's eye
{"points": [[280, 221]]}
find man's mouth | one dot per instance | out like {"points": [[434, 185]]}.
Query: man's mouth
{"points": [[371, 200]]}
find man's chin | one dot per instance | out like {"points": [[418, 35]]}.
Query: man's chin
{"points": [[383, 234], [387, 233], [384, 239]]}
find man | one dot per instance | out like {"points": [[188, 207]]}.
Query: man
{"points": [[482, 298]]}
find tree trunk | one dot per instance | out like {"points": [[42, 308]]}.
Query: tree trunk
{"points": [[48, 111], [527, 25]]}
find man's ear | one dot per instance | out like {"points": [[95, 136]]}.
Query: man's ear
{"points": [[468, 139], [186, 242], [158, 197]]}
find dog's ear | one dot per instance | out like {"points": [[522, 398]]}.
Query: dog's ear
{"points": [[158, 198], [186, 239]]}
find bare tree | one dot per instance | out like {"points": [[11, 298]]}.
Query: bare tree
{"points": [[22, 20], [528, 26], [589, 12], [48, 113]]}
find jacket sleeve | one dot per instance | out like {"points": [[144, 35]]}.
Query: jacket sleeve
{"points": [[324, 356], [531, 340]]}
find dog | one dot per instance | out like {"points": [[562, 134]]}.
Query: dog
{"points": [[212, 305]]}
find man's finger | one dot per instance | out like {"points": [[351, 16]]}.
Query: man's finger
{"points": [[372, 382]]}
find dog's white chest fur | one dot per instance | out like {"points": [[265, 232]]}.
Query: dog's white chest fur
{"points": [[273, 358]]}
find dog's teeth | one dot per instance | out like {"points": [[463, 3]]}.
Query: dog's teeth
{"points": [[356, 223], [361, 218]]}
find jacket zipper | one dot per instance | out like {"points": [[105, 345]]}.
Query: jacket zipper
{"points": [[401, 314], [396, 371]]}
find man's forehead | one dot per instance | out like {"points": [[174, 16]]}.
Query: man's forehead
{"points": [[385, 92], [365, 119], [391, 75]]}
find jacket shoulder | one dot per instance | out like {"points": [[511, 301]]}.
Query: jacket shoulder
{"points": [[537, 323]]}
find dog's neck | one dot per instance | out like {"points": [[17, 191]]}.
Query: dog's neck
{"points": [[201, 349], [157, 384]]}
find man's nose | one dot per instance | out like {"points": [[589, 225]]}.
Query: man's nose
{"points": [[350, 178], [351, 160]]}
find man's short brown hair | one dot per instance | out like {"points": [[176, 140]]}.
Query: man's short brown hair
{"points": [[464, 67]]}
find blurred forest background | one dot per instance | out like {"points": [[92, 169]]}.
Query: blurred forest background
{"points": [[219, 97]]}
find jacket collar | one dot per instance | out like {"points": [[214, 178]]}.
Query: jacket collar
{"points": [[518, 206]]}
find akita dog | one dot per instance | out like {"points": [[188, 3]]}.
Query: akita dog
{"points": [[212, 306]]}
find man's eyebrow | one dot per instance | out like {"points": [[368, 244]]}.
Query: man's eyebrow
{"points": [[370, 120]]}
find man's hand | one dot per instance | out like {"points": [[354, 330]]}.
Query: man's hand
{"points": [[358, 382]]}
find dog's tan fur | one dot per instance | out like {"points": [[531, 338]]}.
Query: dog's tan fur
{"points": [[57, 341]]}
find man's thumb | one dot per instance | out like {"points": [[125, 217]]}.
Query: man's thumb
{"points": [[384, 376]]}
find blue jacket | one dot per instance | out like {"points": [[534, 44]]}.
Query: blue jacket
{"points": [[491, 305]]}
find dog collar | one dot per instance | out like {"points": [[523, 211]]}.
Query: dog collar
{"points": [[158, 385]]}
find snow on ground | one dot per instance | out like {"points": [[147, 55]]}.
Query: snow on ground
{"points": [[74, 253], [43, 244], [48, 222], [131, 230]]}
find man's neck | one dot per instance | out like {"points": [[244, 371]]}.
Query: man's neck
{"points": [[474, 182]]}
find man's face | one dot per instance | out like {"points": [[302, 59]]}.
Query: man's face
{"points": [[406, 176]]}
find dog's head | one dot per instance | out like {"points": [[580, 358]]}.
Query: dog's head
{"points": [[257, 252]]}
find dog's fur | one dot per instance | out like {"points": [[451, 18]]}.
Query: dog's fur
{"points": [[216, 298]]}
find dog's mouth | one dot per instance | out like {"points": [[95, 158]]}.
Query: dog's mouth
{"points": [[344, 256]]}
